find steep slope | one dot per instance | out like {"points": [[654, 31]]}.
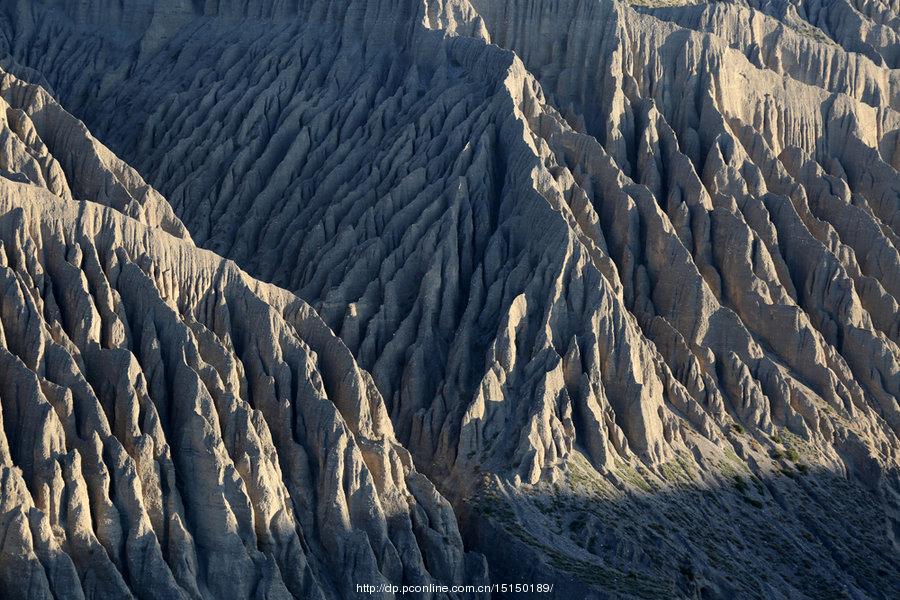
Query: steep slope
{"points": [[624, 271], [172, 428]]}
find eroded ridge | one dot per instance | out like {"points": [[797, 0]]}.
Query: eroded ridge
{"points": [[171, 427], [579, 245]]}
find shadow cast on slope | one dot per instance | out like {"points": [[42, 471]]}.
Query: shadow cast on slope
{"points": [[802, 533]]}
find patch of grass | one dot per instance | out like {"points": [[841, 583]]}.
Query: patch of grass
{"points": [[813, 32], [730, 455], [594, 573], [581, 474], [630, 475], [677, 470], [660, 3]]}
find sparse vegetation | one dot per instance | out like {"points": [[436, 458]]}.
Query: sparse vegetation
{"points": [[752, 501], [660, 3]]}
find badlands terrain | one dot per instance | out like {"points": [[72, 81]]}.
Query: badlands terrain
{"points": [[299, 295]]}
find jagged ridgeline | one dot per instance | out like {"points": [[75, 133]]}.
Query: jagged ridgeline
{"points": [[621, 280], [173, 428]]}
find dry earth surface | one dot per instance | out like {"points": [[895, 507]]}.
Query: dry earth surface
{"points": [[301, 294]]}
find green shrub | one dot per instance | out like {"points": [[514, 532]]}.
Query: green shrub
{"points": [[752, 501]]}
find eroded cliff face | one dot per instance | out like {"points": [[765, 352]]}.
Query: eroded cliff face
{"points": [[615, 270], [173, 428]]}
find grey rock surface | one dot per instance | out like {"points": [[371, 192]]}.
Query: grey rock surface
{"points": [[625, 276], [173, 428]]}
